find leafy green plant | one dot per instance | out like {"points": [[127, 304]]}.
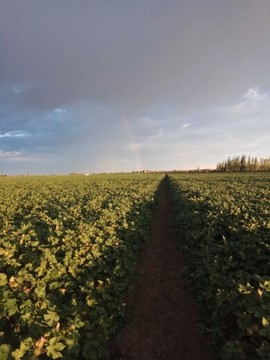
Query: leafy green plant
{"points": [[223, 224], [68, 247]]}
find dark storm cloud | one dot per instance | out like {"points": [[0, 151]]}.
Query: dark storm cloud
{"points": [[133, 53], [116, 85]]}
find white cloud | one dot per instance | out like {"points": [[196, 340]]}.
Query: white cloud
{"points": [[236, 128], [254, 94], [60, 111], [253, 105], [24, 157], [9, 154], [14, 134], [186, 125]]}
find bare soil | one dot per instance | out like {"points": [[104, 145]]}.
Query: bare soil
{"points": [[161, 310]]}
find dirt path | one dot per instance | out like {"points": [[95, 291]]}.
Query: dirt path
{"points": [[161, 311]]}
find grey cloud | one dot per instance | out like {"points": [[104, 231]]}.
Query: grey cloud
{"points": [[78, 129], [9, 154], [134, 54], [102, 83]]}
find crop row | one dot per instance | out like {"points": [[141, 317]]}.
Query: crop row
{"points": [[223, 223], [68, 248]]}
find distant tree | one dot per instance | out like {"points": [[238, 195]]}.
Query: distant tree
{"points": [[243, 163], [229, 164], [236, 163], [221, 166], [249, 164], [256, 164]]}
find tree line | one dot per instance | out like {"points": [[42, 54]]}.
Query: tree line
{"points": [[244, 163]]}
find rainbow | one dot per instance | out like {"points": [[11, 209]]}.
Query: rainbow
{"points": [[138, 163]]}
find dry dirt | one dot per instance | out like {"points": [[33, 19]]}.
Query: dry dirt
{"points": [[161, 311]]}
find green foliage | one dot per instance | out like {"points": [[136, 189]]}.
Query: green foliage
{"points": [[68, 251], [3, 279], [243, 163], [54, 348], [223, 224], [5, 350]]}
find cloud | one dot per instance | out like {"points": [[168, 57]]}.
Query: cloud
{"points": [[253, 104], [254, 95], [186, 125], [216, 133], [101, 84], [15, 134], [60, 111], [135, 55], [9, 155], [251, 94]]}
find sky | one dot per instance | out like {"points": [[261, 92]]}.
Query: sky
{"points": [[119, 86]]}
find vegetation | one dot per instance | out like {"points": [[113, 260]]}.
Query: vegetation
{"points": [[68, 249], [243, 163], [223, 223]]}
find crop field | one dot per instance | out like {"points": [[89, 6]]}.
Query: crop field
{"points": [[69, 247], [223, 221]]}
